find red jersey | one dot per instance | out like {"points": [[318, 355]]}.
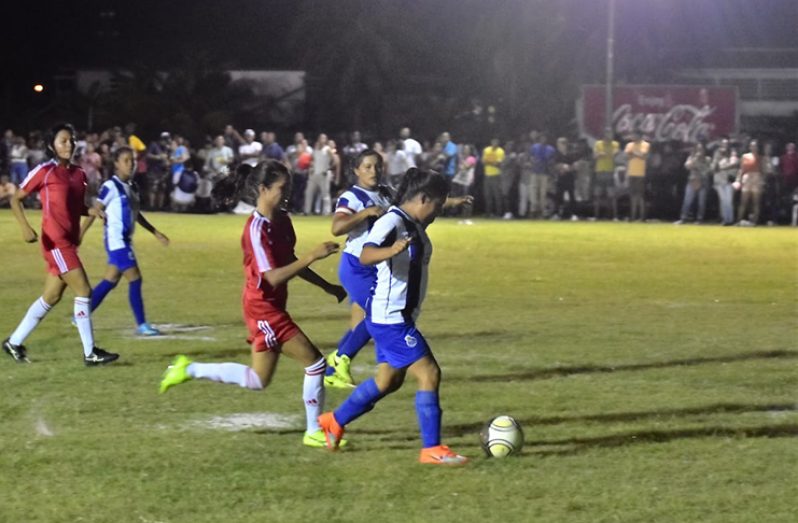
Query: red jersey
{"points": [[62, 191], [267, 245]]}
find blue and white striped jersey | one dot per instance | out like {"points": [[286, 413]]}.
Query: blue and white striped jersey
{"points": [[401, 280], [121, 203], [354, 200]]}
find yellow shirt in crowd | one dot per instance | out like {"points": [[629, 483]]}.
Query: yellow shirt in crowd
{"points": [[492, 157], [605, 164], [636, 166]]}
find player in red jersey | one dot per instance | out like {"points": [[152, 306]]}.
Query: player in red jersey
{"points": [[268, 243], [62, 188]]}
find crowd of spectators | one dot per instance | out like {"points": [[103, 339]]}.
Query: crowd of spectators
{"points": [[533, 176]]}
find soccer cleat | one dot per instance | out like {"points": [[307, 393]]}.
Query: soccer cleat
{"points": [[99, 357], [333, 432], [341, 378], [441, 455], [145, 329], [317, 440], [18, 352], [176, 373]]}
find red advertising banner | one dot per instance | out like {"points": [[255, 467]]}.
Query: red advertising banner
{"points": [[684, 113]]}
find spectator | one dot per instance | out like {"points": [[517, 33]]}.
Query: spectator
{"points": [[582, 170], [351, 150], [219, 159], [398, 162], [699, 166], [336, 176], [319, 179], [750, 181], [725, 164], [464, 179], [249, 151], [565, 181], [7, 190], [604, 187], [19, 160], [789, 175], [299, 156], [492, 158], [449, 149], [524, 181], [637, 152], [411, 147], [91, 162], [271, 149], [158, 170], [770, 172], [542, 155]]}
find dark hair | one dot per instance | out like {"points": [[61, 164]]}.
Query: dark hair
{"points": [[122, 150], [249, 179], [416, 181], [357, 160], [52, 133]]}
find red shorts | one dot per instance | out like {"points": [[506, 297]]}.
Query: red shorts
{"points": [[268, 331], [61, 260]]}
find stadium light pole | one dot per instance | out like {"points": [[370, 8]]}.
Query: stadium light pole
{"points": [[610, 65]]}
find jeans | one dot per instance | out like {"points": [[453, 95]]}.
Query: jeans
{"points": [[726, 202], [690, 194]]}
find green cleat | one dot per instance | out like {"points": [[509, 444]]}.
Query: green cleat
{"points": [[176, 373], [342, 377], [317, 440]]}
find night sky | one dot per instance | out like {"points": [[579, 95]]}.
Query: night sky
{"points": [[269, 34]]}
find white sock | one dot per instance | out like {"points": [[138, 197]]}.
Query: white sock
{"points": [[313, 393], [234, 373], [83, 321], [36, 313]]}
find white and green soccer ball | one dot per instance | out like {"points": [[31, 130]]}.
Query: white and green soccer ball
{"points": [[501, 437]]}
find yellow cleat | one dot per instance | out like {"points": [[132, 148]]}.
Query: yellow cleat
{"points": [[176, 373], [342, 377], [317, 440]]}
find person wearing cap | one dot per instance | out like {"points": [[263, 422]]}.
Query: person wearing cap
{"points": [[250, 150]]}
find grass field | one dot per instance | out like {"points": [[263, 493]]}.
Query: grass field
{"points": [[653, 368]]}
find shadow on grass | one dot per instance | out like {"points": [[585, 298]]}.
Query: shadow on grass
{"points": [[579, 445], [557, 372], [615, 417]]}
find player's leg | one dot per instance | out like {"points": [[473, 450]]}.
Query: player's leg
{"points": [[78, 282], [339, 362], [106, 285], [135, 283], [428, 375], [300, 348], [51, 295]]}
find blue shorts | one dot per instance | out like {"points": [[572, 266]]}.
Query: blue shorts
{"points": [[357, 279], [123, 259], [398, 345]]}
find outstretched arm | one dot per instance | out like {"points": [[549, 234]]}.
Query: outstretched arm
{"points": [[281, 275], [141, 220], [311, 276]]}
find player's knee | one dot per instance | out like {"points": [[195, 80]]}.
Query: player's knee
{"points": [[51, 298]]}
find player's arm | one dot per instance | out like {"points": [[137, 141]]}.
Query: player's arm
{"points": [[281, 275], [28, 234], [141, 220], [373, 254], [342, 222], [312, 277], [458, 201], [92, 213]]}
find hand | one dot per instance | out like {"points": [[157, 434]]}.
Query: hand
{"points": [[324, 250], [29, 235], [400, 245], [337, 291], [462, 200], [375, 211], [162, 238], [97, 213]]}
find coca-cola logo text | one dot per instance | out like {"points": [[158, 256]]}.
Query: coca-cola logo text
{"points": [[684, 123]]}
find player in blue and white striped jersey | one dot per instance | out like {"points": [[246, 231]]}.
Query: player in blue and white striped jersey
{"points": [[399, 247], [355, 213], [120, 200]]}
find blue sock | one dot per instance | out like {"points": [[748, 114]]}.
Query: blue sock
{"points": [[352, 344], [136, 301], [99, 293], [358, 403], [429, 414], [330, 370]]}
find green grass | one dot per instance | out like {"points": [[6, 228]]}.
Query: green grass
{"points": [[652, 367]]}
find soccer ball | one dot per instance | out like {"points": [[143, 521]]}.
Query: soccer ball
{"points": [[501, 437]]}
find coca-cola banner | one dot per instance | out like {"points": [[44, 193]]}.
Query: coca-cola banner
{"points": [[683, 113]]}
